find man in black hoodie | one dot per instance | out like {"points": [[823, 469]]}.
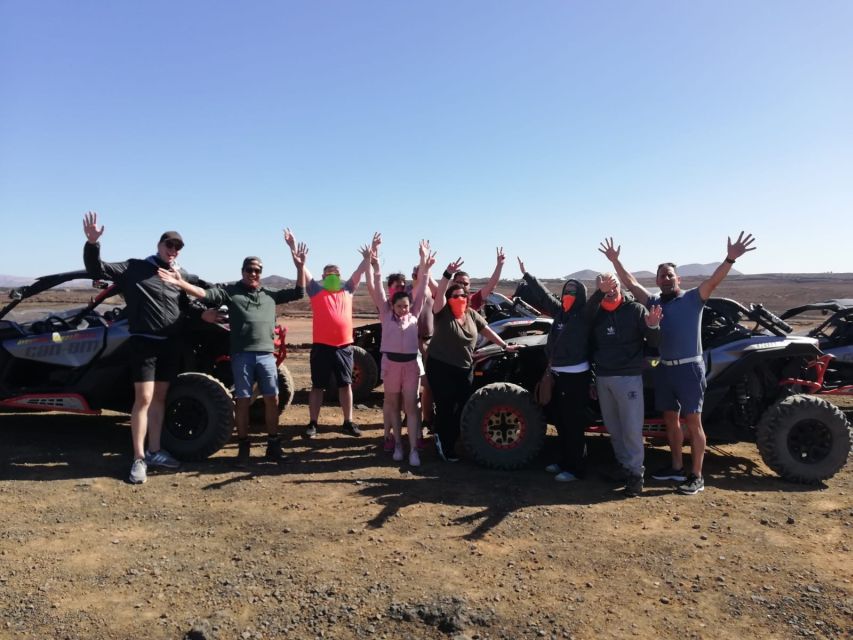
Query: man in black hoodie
{"points": [[567, 352], [153, 313], [620, 328]]}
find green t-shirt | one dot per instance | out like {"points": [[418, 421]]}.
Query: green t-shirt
{"points": [[251, 313], [453, 343]]}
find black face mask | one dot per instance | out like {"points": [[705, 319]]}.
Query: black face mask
{"points": [[666, 297]]}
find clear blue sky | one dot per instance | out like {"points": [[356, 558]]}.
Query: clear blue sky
{"points": [[539, 126]]}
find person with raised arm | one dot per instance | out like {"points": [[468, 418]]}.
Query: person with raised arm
{"points": [[680, 375], [154, 318], [252, 316]]}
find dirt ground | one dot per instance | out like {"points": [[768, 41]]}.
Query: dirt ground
{"points": [[345, 543]]}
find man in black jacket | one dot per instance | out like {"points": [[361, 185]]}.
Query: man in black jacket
{"points": [[620, 328], [153, 313]]}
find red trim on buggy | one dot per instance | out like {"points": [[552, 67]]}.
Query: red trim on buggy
{"points": [[820, 365], [48, 402]]}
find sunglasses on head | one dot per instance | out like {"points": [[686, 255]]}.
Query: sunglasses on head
{"points": [[174, 245], [252, 271]]}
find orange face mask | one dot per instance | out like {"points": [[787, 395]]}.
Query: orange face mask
{"points": [[612, 304], [458, 306], [568, 300]]}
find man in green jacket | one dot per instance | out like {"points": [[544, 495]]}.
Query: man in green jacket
{"points": [[251, 311]]}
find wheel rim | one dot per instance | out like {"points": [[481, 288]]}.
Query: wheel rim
{"points": [[504, 427], [186, 419], [810, 441]]}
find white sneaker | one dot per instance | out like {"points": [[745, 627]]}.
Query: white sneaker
{"points": [[414, 458], [553, 468], [565, 476], [398, 453], [138, 472]]}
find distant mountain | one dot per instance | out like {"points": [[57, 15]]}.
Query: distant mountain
{"points": [[685, 270], [277, 282], [695, 269], [10, 282]]}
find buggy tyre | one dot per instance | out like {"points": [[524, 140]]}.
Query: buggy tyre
{"points": [[804, 439], [502, 427], [365, 377], [286, 391], [199, 416]]}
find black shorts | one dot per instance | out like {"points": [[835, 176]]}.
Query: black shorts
{"points": [[153, 359], [328, 361]]}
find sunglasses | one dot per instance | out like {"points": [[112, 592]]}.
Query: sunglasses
{"points": [[172, 244], [252, 271]]}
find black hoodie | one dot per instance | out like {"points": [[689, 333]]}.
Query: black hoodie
{"points": [[568, 339]]}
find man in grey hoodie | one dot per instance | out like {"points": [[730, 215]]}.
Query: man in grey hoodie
{"points": [[620, 328]]}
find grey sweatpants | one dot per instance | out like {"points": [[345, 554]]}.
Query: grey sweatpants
{"points": [[621, 399]]}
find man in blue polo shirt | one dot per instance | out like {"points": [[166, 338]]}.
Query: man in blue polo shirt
{"points": [[680, 376]]}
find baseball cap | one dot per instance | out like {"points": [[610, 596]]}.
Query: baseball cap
{"points": [[174, 236]]}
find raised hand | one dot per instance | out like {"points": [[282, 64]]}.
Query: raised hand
{"points": [[377, 240], [290, 239], [501, 258], [610, 250], [453, 267], [521, 266], [654, 316], [740, 246], [300, 254], [90, 227], [606, 282]]}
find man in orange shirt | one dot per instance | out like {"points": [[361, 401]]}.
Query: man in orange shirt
{"points": [[331, 348]]}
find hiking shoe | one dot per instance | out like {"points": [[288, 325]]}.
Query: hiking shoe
{"points": [[243, 447], [351, 428], [553, 468], [398, 453], [414, 458], [388, 445], [310, 431], [620, 474], [162, 459], [565, 476], [692, 486], [634, 486], [138, 472], [274, 452], [668, 473]]}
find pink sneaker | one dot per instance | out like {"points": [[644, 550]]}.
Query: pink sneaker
{"points": [[388, 445], [414, 459]]}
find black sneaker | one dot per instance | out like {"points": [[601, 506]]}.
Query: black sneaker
{"points": [[274, 452], [351, 428], [619, 475], [634, 486], [243, 447], [692, 486], [668, 473], [310, 431]]}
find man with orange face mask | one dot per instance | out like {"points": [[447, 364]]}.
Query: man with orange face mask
{"points": [[567, 352], [620, 328]]}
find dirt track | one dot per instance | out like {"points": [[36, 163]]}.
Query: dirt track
{"points": [[343, 543]]}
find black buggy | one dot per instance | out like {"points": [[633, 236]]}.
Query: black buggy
{"points": [[76, 361], [754, 368]]}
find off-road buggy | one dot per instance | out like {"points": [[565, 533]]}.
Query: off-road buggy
{"points": [[77, 361], [749, 397], [832, 372], [508, 317]]}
